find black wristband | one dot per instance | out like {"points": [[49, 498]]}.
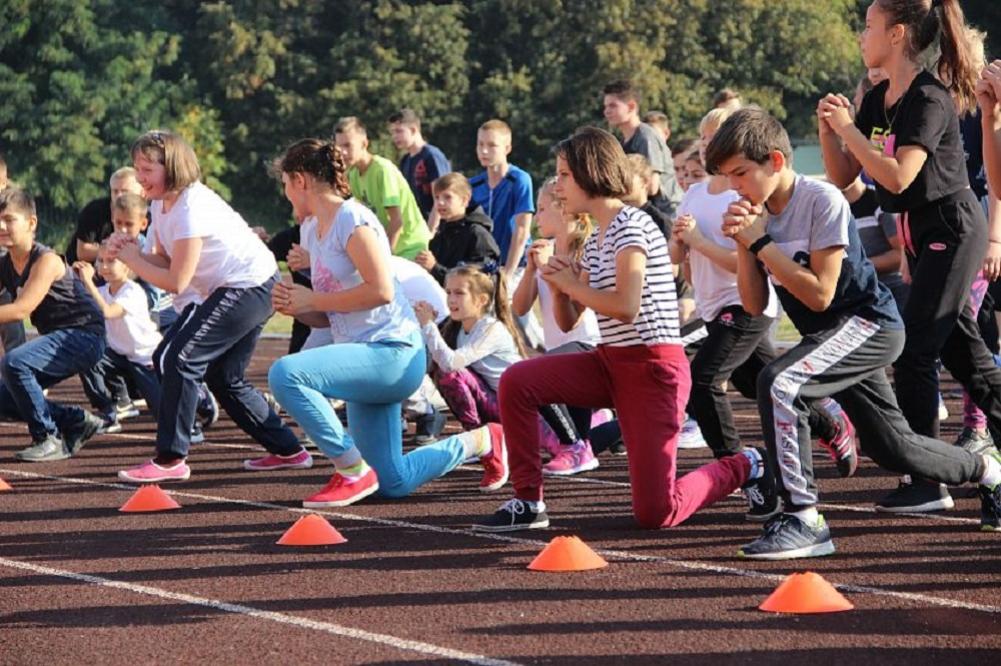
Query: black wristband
{"points": [[757, 245]]}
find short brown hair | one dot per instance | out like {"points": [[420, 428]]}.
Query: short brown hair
{"points": [[624, 90], [174, 153], [406, 117], [350, 124], [751, 132], [454, 182], [725, 96], [17, 200], [130, 202], [496, 125], [597, 162]]}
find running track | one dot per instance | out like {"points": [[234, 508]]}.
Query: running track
{"points": [[82, 583]]}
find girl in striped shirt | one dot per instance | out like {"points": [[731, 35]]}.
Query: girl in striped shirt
{"points": [[639, 367]]}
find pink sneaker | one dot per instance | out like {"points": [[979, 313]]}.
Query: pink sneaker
{"points": [[844, 446], [601, 417], [300, 460], [150, 472], [339, 491], [548, 441], [495, 469], [572, 460]]}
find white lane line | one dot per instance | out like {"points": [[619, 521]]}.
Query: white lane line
{"points": [[249, 611], [607, 553]]}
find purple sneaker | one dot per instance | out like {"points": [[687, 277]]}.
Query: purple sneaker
{"points": [[150, 472], [300, 460]]}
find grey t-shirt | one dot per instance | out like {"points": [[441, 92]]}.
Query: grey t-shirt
{"points": [[818, 217], [649, 143]]}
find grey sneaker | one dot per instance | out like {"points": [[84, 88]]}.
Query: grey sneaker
{"points": [[975, 442], [76, 435], [50, 448], [786, 537]]}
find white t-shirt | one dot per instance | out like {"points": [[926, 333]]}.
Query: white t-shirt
{"points": [[585, 331], [232, 255], [657, 322], [715, 287], [134, 335], [418, 285]]}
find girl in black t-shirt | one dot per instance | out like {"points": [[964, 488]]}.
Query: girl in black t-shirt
{"points": [[906, 137]]}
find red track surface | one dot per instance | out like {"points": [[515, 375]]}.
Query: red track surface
{"points": [[82, 583]]}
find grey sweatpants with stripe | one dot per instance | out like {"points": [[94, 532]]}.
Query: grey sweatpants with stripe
{"points": [[847, 363]]}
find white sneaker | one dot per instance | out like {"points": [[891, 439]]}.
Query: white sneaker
{"points": [[691, 436]]}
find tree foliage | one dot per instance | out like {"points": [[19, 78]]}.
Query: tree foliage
{"points": [[242, 78]]}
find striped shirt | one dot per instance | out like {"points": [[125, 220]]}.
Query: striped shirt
{"points": [[657, 322]]}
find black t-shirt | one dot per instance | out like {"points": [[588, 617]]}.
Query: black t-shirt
{"points": [[924, 116], [93, 225], [67, 305]]}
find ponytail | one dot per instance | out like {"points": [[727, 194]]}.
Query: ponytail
{"points": [[485, 280], [320, 159], [943, 20]]}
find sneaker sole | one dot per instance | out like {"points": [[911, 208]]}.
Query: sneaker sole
{"points": [[943, 504], [586, 467], [698, 444], [542, 524], [111, 430], [52, 458], [990, 528], [496, 485], [817, 550], [124, 476], [300, 465], [306, 504]]}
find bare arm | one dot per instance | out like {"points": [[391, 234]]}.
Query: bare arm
{"points": [[395, 226], [752, 282], [44, 273], [172, 274], [841, 166], [87, 251], [86, 273], [522, 227], [526, 293]]}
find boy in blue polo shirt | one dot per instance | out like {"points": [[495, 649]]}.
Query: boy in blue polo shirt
{"points": [[799, 234]]}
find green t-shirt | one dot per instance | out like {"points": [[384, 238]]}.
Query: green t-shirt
{"points": [[381, 186]]}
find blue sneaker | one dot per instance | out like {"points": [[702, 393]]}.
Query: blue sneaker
{"points": [[786, 537]]}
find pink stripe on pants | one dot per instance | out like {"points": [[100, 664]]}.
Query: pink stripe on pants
{"points": [[648, 386]]}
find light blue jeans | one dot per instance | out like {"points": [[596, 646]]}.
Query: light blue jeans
{"points": [[374, 379]]}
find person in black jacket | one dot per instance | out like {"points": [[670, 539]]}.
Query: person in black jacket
{"points": [[465, 235]]}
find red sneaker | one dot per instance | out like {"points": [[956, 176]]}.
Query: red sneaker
{"points": [[300, 460], [339, 491], [843, 447], [495, 469]]}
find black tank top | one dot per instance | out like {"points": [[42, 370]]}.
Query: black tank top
{"points": [[67, 305]]}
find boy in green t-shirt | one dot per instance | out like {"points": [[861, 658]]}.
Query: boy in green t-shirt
{"points": [[376, 182]]}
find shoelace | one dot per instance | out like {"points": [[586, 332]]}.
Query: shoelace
{"points": [[514, 506], [754, 496], [776, 524]]}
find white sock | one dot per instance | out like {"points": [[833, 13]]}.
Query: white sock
{"points": [[992, 472], [807, 516], [757, 463], [476, 443], [536, 507]]}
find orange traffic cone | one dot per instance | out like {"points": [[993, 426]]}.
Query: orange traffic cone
{"points": [[149, 498], [805, 593], [567, 554], [5, 486], [311, 530]]}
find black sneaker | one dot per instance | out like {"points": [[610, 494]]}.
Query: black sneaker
{"points": [[762, 496], [990, 504], [513, 515], [975, 442], [111, 423], [77, 434], [618, 449], [916, 497], [48, 449], [429, 426], [787, 537]]}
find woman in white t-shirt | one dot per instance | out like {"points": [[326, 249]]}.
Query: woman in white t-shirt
{"points": [[203, 245], [736, 346], [562, 235], [376, 359]]}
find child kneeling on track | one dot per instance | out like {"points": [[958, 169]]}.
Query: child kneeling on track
{"points": [[376, 359], [132, 337], [202, 243], [70, 340], [562, 235], [799, 233], [640, 366]]}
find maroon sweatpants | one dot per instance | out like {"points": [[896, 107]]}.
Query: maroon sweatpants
{"points": [[648, 386]]}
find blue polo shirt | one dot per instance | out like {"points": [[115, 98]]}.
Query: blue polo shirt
{"points": [[511, 197]]}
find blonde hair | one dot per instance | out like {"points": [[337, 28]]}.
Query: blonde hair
{"points": [[350, 124], [493, 285], [122, 173], [496, 125], [130, 203], [581, 221], [713, 120], [174, 153], [452, 182]]}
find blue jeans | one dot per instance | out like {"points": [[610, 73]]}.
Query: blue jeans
{"points": [[215, 341], [113, 367], [39, 364], [374, 379]]}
